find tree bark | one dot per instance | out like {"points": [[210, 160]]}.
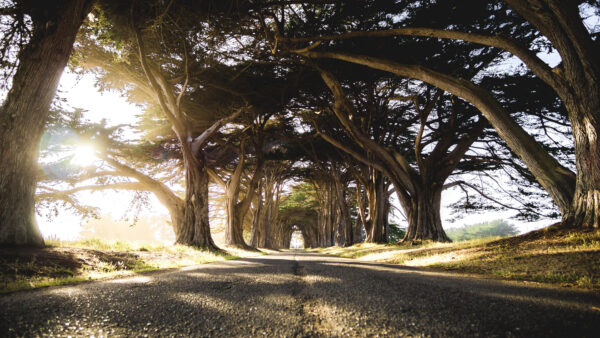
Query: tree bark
{"points": [[380, 217], [256, 232], [269, 215], [194, 230], [24, 113], [234, 233], [377, 217], [584, 211], [331, 211], [423, 214], [560, 22], [237, 210], [344, 232]]}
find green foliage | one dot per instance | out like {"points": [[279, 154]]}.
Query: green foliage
{"points": [[497, 228], [395, 233], [303, 196]]}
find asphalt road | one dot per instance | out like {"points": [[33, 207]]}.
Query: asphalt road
{"points": [[298, 294]]}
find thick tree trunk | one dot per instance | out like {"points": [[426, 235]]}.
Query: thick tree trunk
{"points": [[257, 232], [424, 220], [267, 219], [194, 230], [23, 115], [585, 207], [344, 235], [378, 217], [236, 211], [577, 82], [361, 222], [234, 233], [327, 215]]}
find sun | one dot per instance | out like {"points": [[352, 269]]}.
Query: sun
{"points": [[83, 156]]}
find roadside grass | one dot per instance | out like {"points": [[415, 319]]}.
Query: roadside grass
{"points": [[64, 262], [552, 255]]}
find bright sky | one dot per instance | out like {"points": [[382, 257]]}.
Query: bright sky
{"points": [[81, 93]]}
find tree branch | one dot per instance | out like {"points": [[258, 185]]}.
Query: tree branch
{"points": [[480, 192], [558, 180], [513, 46], [216, 177], [199, 141]]}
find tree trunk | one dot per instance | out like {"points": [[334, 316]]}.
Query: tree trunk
{"points": [[268, 216], [332, 213], [327, 210], [356, 228], [194, 230], [234, 233], [378, 218], [578, 85], [257, 232], [345, 234], [424, 220], [24, 113], [309, 235], [236, 211], [585, 206]]}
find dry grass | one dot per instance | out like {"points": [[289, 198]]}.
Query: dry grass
{"points": [[552, 255], [71, 262]]}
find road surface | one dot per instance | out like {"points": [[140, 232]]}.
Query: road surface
{"points": [[299, 294]]}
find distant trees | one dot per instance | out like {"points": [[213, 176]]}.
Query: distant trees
{"points": [[497, 228], [301, 208]]}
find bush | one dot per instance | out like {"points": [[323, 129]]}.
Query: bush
{"points": [[395, 233], [497, 228]]}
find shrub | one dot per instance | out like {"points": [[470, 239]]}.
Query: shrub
{"points": [[497, 228]]}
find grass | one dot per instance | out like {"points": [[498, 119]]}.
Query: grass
{"points": [[63, 262], [552, 255]]}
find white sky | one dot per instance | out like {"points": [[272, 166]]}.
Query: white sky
{"points": [[81, 93]]}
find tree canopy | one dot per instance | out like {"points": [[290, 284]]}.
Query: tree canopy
{"points": [[311, 115]]}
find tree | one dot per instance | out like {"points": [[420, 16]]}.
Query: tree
{"points": [[299, 208], [24, 111], [574, 81], [120, 165], [495, 228], [129, 57], [266, 208], [236, 208], [577, 83]]}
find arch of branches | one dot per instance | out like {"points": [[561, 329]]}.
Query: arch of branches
{"points": [[314, 114]]}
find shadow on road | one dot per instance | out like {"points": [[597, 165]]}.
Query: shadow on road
{"points": [[285, 293]]}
